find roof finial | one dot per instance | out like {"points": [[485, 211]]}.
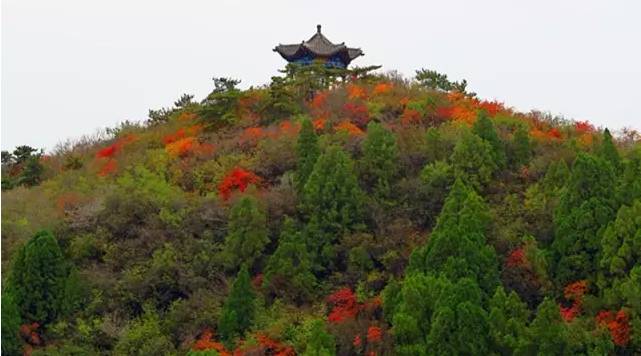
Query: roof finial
{"points": [[318, 27]]}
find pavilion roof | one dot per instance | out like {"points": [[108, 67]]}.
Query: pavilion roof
{"points": [[318, 45]]}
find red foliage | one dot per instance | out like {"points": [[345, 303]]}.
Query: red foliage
{"points": [[252, 135], [273, 347], [205, 342], [515, 258], [444, 113], [257, 281], [108, 168], [357, 341], [574, 292], [582, 127], [357, 112], [569, 313], [319, 123], [374, 334], [344, 304], [410, 116], [107, 152], [619, 326], [287, 128], [492, 107], [554, 133], [29, 332], [319, 100], [239, 179]]}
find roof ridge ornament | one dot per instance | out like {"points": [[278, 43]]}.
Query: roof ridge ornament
{"points": [[318, 28]]}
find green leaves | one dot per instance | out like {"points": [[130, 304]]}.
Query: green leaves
{"points": [[238, 311], [247, 234]]}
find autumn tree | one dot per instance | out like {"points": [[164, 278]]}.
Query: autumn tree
{"points": [[473, 160], [484, 128], [289, 270], [247, 232], [332, 201], [585, 209], [38, 278], [308, 151], [380, 160], [238, 311]]}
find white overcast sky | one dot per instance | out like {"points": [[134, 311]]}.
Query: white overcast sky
{"points": [[70, 67]]}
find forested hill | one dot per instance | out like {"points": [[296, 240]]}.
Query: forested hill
{"points": [[326, 213]]}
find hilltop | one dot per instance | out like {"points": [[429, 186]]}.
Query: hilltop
{"points": [[329, 212]]}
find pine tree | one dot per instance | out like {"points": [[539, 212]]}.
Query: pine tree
{"points": [[620, 246], [521, 147], [11, 321], [629, 185], [473, 161], [238, 311], [508, 316], [484, 128], [547, 334], [457, 246], [608, 150], [38, 278], [308, 151], [380, 159], [247, 232], [332, 201], [288, 273], [586, 207], [435, 148]]}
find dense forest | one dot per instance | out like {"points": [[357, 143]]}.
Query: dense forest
{"points": [[329, 212]]}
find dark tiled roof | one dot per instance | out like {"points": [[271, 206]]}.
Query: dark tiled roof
{"points": [[318, 45]]}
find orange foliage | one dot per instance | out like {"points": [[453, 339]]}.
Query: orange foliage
{"points": [[319, 100], [382, 88], [410, 117], [319, 123], [515, 258], [67, 201], [551, 134], [205, 342], [462, 114], [355, 92], [181, 133], [357, 112], [252, 135], [350, 128], [573, 292], [619, 326], [273, 347], [181, 148], [374, 334], [582, 127], [444, 113], [404, 101], [239, 179], [288, 128]]}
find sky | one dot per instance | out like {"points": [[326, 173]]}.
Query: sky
{"points": [[72, 67]]}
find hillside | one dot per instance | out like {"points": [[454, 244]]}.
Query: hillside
{"points": [[329, 212]]}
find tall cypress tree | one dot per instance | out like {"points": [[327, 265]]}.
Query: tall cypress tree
{"points": [[508, 317], [547, 334], [308, 151], [332, 201], [608, 151], [521, 147], [11, 321], [288, 273], [380, 159], [484, 128], [38, 278], [586, 207], [238, 311], [473, 160], [247, 232]]}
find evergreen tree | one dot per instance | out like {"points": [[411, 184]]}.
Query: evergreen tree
{"points": [[621, 246], [288, 273], [547, 334], [308, 151], [521, 147], [473, 161], [507, 318], [320, 342], [32, 172], [457, 246], [380, 159], [238, 311], [435, 148], [585, 209], [38, 278], [629, 185], [11, 321], [332, 200], [608, 150], [247, 232], [484, 128]]}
